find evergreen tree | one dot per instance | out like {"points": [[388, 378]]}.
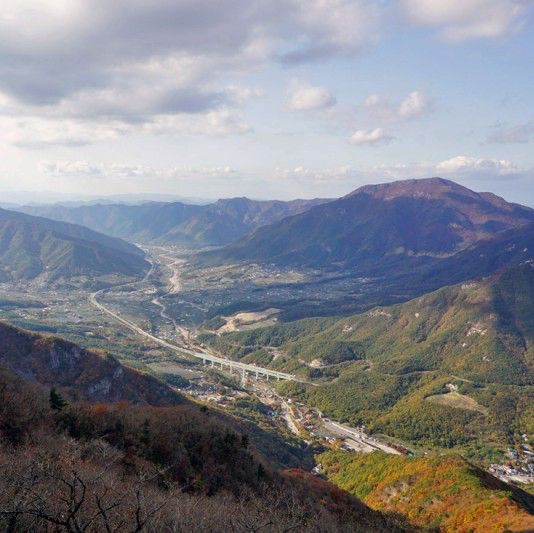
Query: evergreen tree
{"points": [[56, 401]]}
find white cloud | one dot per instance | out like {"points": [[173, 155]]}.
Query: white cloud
{"points": [[415, 105], [465, 164], [120, 172], [458, 167], [241, 95], [333, 27], [374, 136], [304, 174], [70, 168], [374, 100], [388, 111], [36, 132], [129, 64], [458, 20], [218, 123], [304, 97]]}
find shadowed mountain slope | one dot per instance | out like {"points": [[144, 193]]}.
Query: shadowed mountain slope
{"points": [[109, 465], [112, 467], [399, 223], [81, 374]]}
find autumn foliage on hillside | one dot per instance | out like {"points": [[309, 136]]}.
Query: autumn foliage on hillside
{"points": [[76, 467], [442, 493]]}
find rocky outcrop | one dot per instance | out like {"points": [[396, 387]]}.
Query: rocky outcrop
{"points": [[81, 374]]}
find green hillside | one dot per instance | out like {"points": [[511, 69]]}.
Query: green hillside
{"points": [[34, 247], [443, 369]]}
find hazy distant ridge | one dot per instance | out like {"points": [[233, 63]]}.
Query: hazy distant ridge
{"points": [[178, 223]]}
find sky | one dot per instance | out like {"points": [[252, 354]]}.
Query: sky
{"points": [[264, 98]]}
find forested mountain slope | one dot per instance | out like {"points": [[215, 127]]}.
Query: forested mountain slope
{"points": [[71, 466], [445, 494], [34, 247], [450, 368], [81, 374]]}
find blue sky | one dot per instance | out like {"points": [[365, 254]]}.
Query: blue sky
{"points": [[264, 98]]}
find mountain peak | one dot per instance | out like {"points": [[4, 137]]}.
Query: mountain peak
{"points": [[434, 187], [403, 221]]}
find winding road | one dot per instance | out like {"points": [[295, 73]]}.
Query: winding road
{"points": [[197, 352]]}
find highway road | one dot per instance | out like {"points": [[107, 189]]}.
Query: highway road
{"points": [[199, 353], [357, 439]]}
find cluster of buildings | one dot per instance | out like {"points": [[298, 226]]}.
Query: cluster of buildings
{"points": [[518, 469]]}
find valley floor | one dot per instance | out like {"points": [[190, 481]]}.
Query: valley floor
{"points": [[154, 324]]}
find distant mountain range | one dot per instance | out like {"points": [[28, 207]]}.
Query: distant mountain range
{"points": [[177, 223], [451, 369], [42, 198], [35, 247], [395, 224]]}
